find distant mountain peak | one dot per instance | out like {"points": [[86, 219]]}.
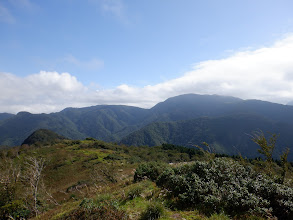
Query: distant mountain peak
{"points": [[197, 98], [23, 113], [189, 106]]}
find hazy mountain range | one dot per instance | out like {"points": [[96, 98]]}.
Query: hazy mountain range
{"points": [[225, 123]]}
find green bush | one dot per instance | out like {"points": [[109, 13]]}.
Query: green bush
{"points": [[113, 157], [153, 211], [224, 184], [7, 193], [15, 209], [150, 170]]}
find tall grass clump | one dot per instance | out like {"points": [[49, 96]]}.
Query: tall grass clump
{"points": [[153, 211], [103, 207]]}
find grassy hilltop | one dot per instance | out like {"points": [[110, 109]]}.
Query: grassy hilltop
{"points": [[92, 179]]}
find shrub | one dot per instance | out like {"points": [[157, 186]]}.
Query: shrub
{"points": [[150, 170], [15, 209], [113, 157], [7, 193], [90, 139], [153, 211], [224, 184]]}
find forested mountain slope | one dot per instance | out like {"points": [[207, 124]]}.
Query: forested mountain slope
{"points": [[116, 122], [226, 134], [4, 116]]}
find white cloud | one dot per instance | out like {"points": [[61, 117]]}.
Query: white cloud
{"points": [[42, 92], [265, 73]]}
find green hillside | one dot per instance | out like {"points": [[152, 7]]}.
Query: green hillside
{"points": [[107, 123], [92, 179], [227, 134], [16, 129], [43, 137], [4, 116]]}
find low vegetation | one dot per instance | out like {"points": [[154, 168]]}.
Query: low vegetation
{"points": [[92, 179], [222, 185]]}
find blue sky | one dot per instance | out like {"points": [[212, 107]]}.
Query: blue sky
{"points": [[60, 53]]}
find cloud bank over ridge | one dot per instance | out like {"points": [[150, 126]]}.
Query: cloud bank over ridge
{"points": [[265, 73]]}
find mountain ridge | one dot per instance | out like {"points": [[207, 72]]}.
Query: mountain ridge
{"points": [[113, 123]]}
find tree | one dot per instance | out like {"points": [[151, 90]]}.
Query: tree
{"points": [[284, 163], [266, 146], [33, 174]]}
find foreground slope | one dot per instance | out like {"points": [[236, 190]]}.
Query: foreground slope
{"points": [[91, 179]]}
